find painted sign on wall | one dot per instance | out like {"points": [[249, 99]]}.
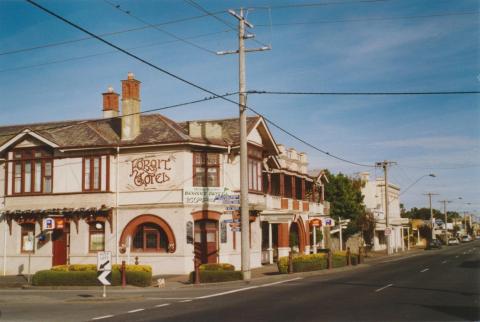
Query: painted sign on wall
{"points": [[199, 195], [148, 171]]}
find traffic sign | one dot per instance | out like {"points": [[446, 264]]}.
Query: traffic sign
{"points": [[232, 208], [105, 277], [232, 220], [104, 261], [388, 231], [236, 229], [48, 224]]}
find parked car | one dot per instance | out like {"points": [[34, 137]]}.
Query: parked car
{"points": [[434, 243], [465, 239], [453, 241]]}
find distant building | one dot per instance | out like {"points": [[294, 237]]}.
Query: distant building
{"points": [[374, 200], [150, 189]]}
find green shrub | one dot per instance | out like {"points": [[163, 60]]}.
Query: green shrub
{"points": [[217, 276], [93, 267], [303, 263], [339, 259], [217, 267], [87, 278]]}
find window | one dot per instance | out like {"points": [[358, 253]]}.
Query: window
{"points": [[150, 238], [91, 173], [32, 172], [254, 169], [206, 169], [96, 236], [28, 238]]}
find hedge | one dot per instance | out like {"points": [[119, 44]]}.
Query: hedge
{"points": [[313, 262], [93, 267], [217, 267], [217, 276], [86, 277]]}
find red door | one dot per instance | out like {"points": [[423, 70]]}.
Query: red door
{"points": [[206, 234], [59, 247]]}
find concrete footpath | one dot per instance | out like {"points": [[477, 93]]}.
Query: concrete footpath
{"points": [[264, 274]]}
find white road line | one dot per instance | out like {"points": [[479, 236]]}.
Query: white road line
{"points": [[456, 256], [103, 317], [382, 288], [185, 301], [444, 262], [135, 311], [162, 305], [424, 270], [246, 289]]}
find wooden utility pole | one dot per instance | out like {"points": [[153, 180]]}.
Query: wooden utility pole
{"points": [[242, 99], [385, 164], [445, 212], [431, 210]]}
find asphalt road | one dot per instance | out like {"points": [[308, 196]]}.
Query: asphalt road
{"points": [[437, 285]]}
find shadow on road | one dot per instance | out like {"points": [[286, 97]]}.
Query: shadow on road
{"points": [[465, 313], [470, 264]]}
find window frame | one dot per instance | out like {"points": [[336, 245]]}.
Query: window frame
{"points": [[255, 169], [37, 160], [205, 164], [93, 229], [151, 227], [91, 174]]}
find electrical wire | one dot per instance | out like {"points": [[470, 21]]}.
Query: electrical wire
{"points": [[125, 115], [365, 93], [374, 19], [105, 53], [187, 81], [65, 42], [145, 22], [316, 4], [228, 24]]}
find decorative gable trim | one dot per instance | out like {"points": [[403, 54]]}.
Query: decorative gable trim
{"points": [[23, 134]]}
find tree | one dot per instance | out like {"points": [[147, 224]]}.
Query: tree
{"points": [[425, 232], [422, 213], [366, 224], [346, 199]]}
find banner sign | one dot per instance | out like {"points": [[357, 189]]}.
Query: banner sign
{"points": [[214, 195]]}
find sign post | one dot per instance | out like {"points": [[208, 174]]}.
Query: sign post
{"points": [[104, 270]]}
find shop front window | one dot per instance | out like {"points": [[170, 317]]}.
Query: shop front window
{"points": [[97, 236]]}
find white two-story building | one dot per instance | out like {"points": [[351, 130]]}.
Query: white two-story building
{"points": [[148, 189], [373, 192]]}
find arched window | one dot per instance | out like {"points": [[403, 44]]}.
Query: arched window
{"points": [[149, 237]]}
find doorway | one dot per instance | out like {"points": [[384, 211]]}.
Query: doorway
{"points": [[60, 245], [206, 241]]}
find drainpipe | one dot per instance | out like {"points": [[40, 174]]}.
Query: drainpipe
{"points": [[117, 171], [4, 246]]}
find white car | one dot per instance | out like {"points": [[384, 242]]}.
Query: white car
{"points": [[465, 239], [453, 241]]}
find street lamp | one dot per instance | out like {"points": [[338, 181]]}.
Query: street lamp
{"points": [[416, 181]]}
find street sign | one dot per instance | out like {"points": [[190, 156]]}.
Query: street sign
{"points": [[388, 231], [236, 229], [48, 224], [104, 261], [105, 277], [232, 208], [232, 220]]}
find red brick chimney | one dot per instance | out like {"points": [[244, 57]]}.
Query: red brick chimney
{"points": [[130, 108], [110, 103]]}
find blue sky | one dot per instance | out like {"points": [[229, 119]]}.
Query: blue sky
{"points": [[334, 47]]}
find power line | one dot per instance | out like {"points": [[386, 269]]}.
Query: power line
{"points": [[121, 116], [129, 13], [316, 4], [374, 19], [185, 80], [466, 166], [104, 53], [228, 24], [65, 42], [365, 93]]}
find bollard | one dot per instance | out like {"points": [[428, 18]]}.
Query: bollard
{"points": [[329, 259], [290, 262], [124, 274], [360, 255], [349, 260], [196, 267], [136, 260]]}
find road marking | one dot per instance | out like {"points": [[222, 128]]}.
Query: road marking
{"points": [[184, 301], [103, 317], [382, 288], [444, 262], [135, 311], [424, 270], [246, 289], [456, 256], [162, 305]]}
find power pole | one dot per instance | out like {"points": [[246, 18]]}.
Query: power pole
{"points": [[242, 98], [385, 164], [445, 212], [431, 210]]}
